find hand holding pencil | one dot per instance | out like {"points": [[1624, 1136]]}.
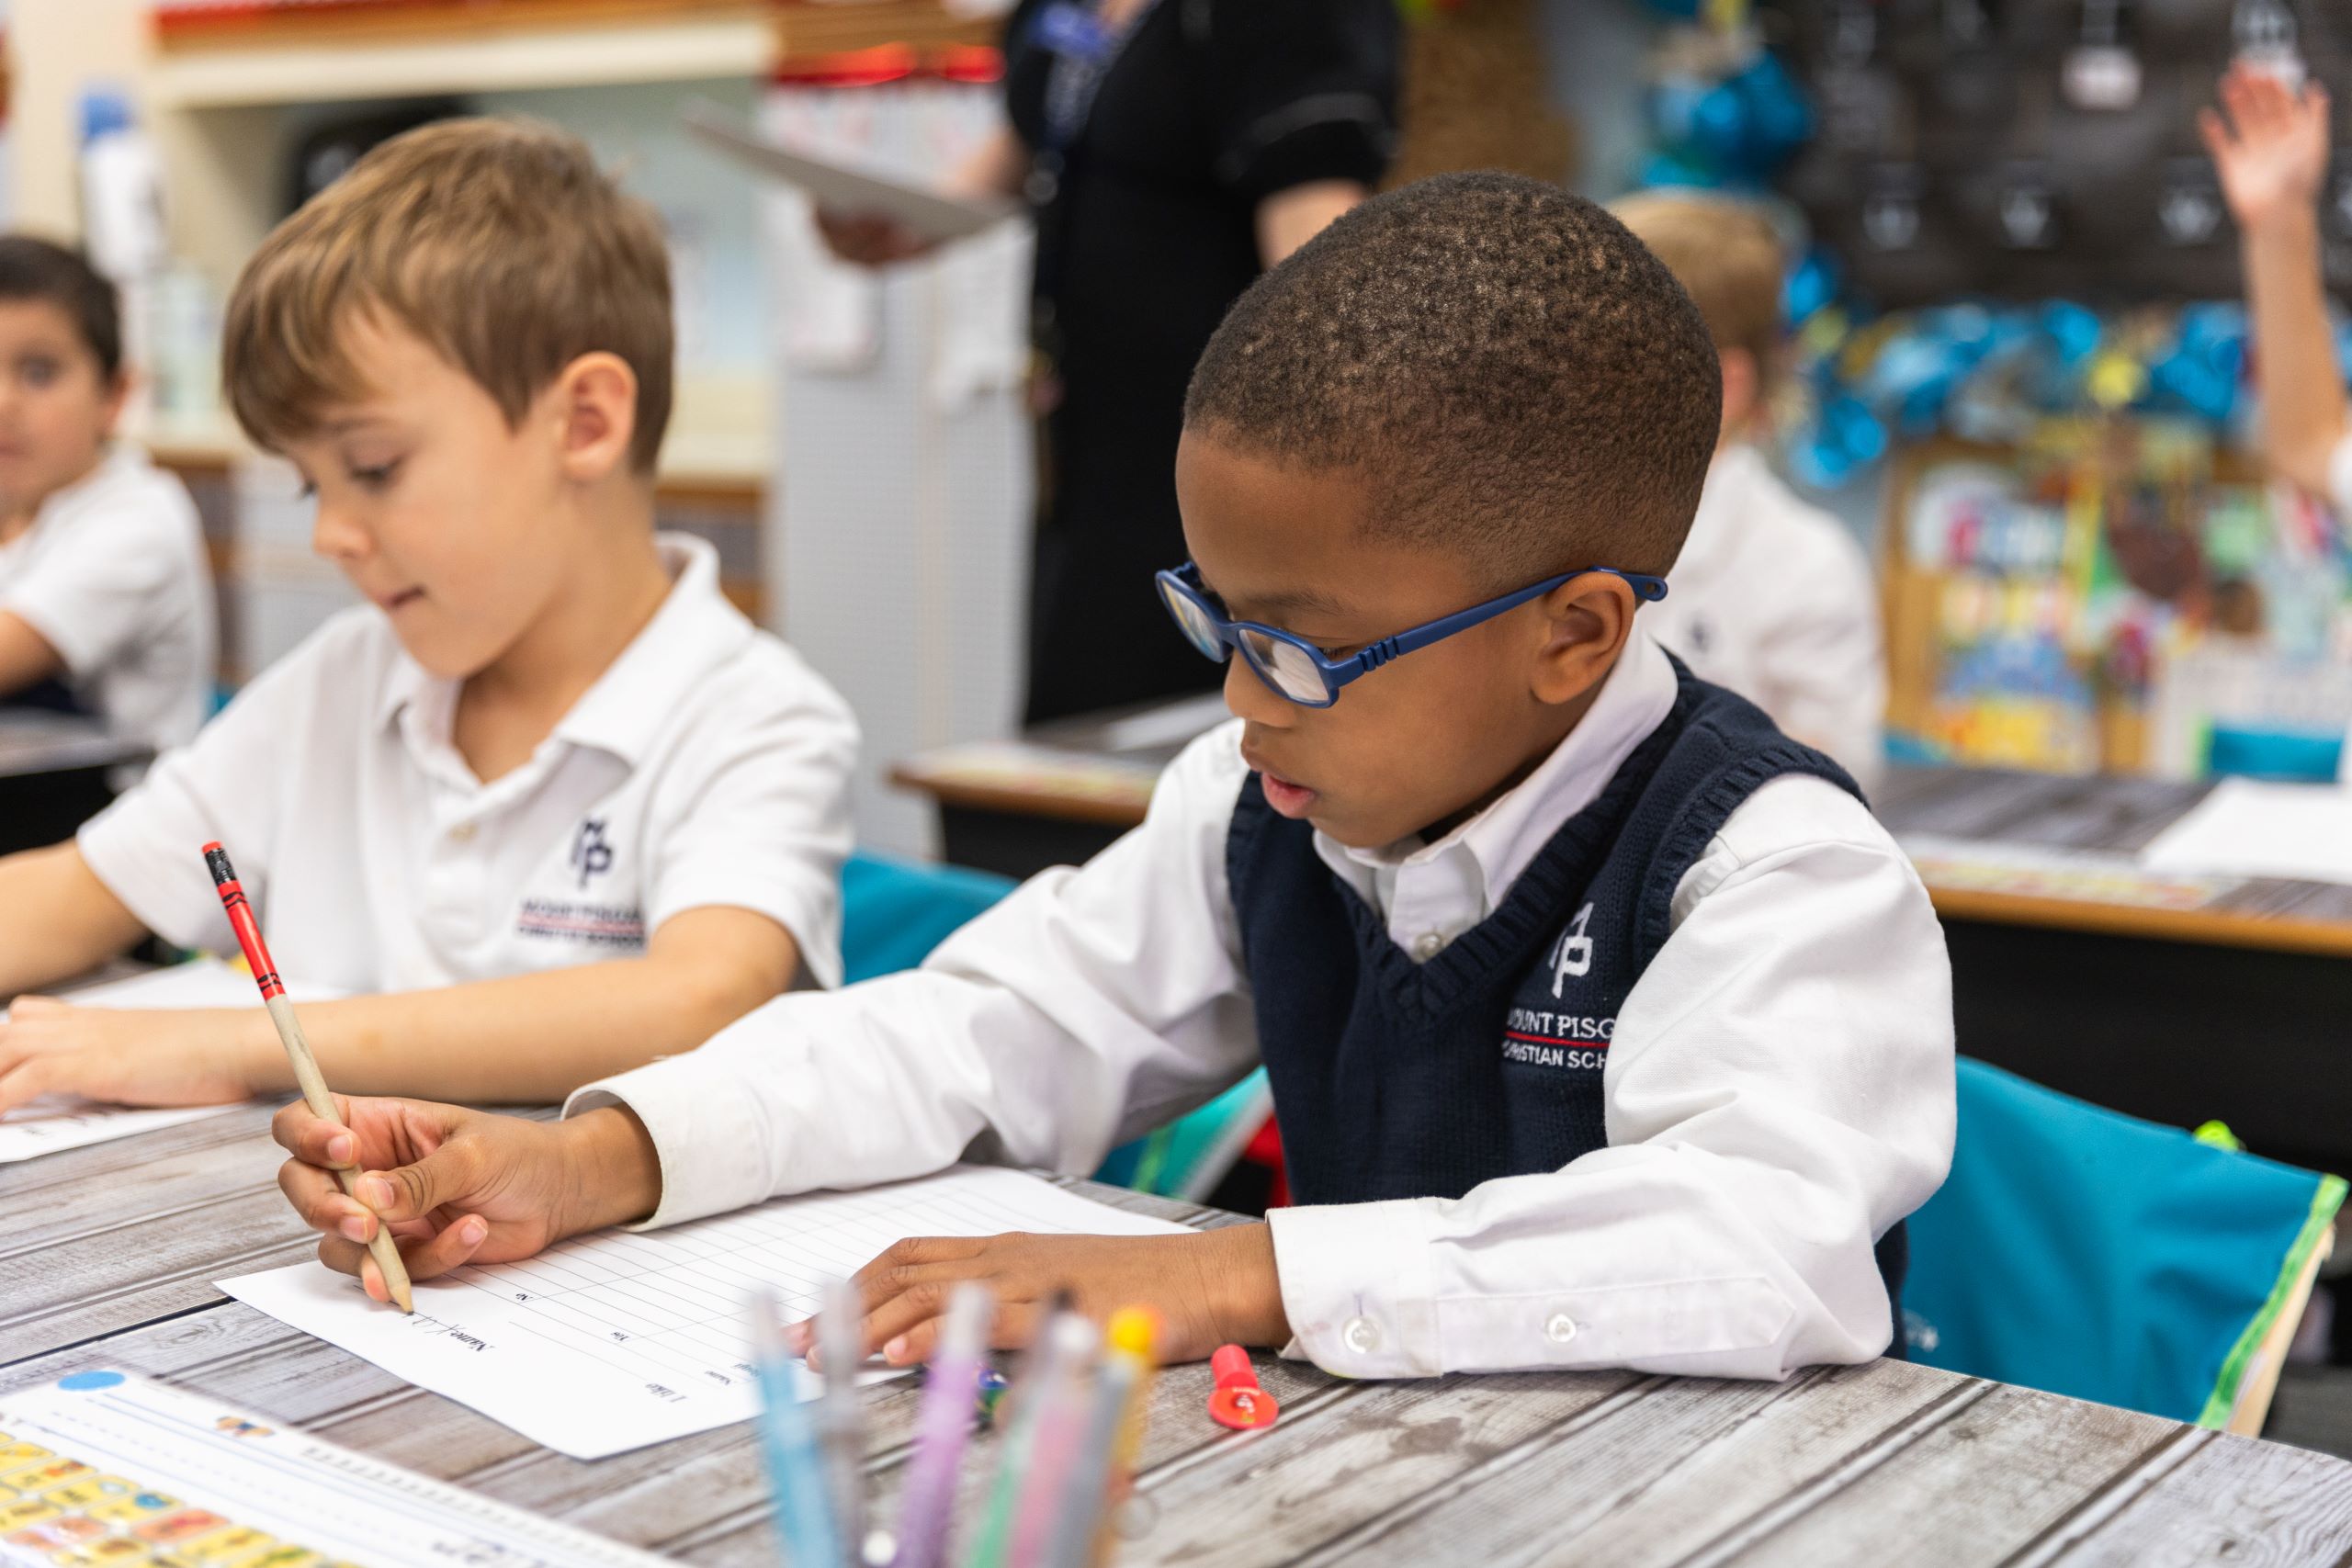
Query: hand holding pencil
{"points": [[298, 1052]]}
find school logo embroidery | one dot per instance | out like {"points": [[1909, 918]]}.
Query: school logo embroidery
{"points": [[591, 855], [1572, 958], [1535, 1035], [598, 925]]}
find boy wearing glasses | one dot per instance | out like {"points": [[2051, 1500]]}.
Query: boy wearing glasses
{"points": [[1605, 1026]]}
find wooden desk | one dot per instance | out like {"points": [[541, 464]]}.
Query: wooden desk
{"points": [[107, 1254], [54, 775]]}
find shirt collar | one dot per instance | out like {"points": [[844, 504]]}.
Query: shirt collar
{"points": [[694, 629], [1509, 833]]}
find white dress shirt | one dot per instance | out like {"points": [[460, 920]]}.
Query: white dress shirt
{"points": [[1779, 1091], [1772, 598], [707, 766], [114, 577]]}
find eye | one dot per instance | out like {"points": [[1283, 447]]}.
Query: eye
{"points": [[375, 477], [38, 371]]}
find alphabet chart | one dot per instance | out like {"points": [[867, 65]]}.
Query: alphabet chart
{"points": [[609, 1342], [56, 1122], [105, 1468]]}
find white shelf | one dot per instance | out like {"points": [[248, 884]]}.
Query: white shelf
{"points": [[684, 47]]}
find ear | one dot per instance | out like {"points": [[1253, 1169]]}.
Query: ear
{"points": [[1585, 622], [1743, 382], [111, 398], [594, 401]]}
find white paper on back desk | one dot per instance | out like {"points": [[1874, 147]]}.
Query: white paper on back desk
{"points": [[609, 1342], [2248, 828], [55, 1121]]}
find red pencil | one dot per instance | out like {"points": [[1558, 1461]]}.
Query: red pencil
{"points": [[298, 1052]]}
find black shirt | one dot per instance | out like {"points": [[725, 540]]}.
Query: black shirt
{"points": [[1148, 233]]}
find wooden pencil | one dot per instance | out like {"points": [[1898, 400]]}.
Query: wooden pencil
{"points": [[298, 1052]]}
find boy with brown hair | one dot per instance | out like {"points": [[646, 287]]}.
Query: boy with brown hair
{"points": [[548, 791], [1772, 597]]}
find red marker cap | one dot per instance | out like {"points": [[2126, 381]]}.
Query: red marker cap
{"points": [[1238, 1402]]}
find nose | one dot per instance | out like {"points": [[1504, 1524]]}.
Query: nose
{"points": [[1246, 696], [337, 536]]}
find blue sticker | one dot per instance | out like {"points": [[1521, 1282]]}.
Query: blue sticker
{"points": [[81, 1382]]}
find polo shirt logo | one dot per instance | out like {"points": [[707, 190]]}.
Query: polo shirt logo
{"points": [[1572, 956], [591, 856]]}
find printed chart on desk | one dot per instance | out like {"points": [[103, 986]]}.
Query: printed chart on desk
{"points": [[59, 1121], [106, 1468], [613, 1341]]}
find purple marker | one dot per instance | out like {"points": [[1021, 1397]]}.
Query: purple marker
{"points": [[927, 1504]]}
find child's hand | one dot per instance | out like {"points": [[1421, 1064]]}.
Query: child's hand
{"points": [[136, 1055], [2271, 150], [458, 1186], [1210, 1289]]}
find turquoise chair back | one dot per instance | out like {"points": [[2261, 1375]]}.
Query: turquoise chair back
{"points": [[2089, 1253], [895, 911]]}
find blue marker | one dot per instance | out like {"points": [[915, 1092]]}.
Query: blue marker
{"points": [[795, 1460]]}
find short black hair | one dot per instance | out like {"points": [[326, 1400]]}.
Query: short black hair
{"points": [[32, 268], [1519, 377]]}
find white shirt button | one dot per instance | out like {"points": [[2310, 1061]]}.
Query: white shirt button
{"points": [[1431, 945], [1361, 1336], [1559, 1328]]}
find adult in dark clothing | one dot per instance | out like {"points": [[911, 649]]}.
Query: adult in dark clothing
{"points": [[1170, 149]]}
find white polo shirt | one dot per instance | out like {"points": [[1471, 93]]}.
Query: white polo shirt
{"points": [[113, 575], [1772, 598], [708, 766]]}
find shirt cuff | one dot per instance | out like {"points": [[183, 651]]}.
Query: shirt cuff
{"points": [[1357, 1288], [705, 1135]]}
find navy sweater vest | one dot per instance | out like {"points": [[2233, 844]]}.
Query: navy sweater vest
{"points": [[1400, 1079]]}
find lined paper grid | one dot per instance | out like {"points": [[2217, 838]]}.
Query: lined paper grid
{"points": [[609, 1342]]}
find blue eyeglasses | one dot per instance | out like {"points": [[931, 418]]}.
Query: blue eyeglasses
{"points": [[1295, 669]]}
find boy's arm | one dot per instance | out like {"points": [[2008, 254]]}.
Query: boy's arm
{"points": [[1090, 1004], [1778, 1093], [56, 919], [525, 1038], [2271, 151], [26, 656]]}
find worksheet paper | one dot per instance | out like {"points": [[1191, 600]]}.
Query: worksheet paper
{"points": [[2249, 828], [612, 1341], [104, 1467], [56, 1122]]}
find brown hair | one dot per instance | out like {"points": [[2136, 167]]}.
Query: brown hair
{"points": [[1726, 255], [498, 242], [1520, 382], [36, 269]]}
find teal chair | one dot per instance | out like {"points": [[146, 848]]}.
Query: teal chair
{"points": [[895, 911], [2087, 1253]]}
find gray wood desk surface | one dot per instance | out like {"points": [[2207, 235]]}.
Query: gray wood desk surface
{"points": [[35, 743], [106, 1253]]}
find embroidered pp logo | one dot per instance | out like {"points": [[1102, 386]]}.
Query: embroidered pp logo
{"points": [[1572, 957], [591, 855]]}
